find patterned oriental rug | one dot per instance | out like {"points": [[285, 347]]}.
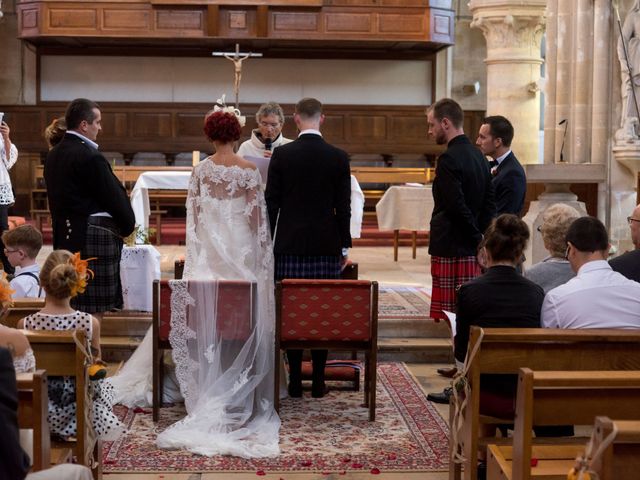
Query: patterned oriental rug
{"points": [[328, 435], [400, 302]]}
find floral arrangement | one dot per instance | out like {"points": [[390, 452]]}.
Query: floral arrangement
{"points": [[139, 236], [6, 292], [84, 273]]}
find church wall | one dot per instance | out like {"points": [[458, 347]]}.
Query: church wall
{"points": [[161, 79]]}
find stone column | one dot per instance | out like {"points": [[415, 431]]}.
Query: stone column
{"points": [[513, 31]]}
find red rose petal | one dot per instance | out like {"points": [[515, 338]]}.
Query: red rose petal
{"points": [[356, 465], [346, 460], [375, 471], [534, 462], [306, 463], [261, 473]]}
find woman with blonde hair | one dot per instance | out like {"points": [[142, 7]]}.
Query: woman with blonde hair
{"points": [[55, 131], [63, 276], [13, 339]]}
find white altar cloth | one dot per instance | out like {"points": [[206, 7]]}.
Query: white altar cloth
{"points": [[180, 181], [139, 267], [405, 208]]}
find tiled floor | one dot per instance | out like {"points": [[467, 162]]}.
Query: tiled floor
{"points": [[375, 263]]}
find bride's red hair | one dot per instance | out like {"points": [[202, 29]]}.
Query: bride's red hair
{"points": [[222, 127]]}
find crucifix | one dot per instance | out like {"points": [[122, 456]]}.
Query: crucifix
{"points": [[237, 58]]}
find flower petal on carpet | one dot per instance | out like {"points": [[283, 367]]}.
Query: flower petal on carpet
{"points": [[331, 434]]}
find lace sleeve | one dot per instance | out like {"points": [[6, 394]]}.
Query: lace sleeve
{"points": [[193, 215], [10, 160]]}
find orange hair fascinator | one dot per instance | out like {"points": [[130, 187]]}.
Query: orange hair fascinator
{"points": [[84, 273], [6, 292]]}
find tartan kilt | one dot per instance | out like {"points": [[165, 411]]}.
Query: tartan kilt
{"points": [[302, 266], [447, 274], [104, 290]]}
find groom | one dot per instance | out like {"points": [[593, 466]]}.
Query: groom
{"points": [[309, 202]]}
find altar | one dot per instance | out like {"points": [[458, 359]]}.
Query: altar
{"points": [[139, 267], [179, 181]]}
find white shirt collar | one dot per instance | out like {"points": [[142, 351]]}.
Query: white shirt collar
{"points": [[311, 131], [594, 265], [89, 141], [500, 159]]}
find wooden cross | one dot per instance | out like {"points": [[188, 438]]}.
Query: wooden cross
{"points": [[237, 58]]}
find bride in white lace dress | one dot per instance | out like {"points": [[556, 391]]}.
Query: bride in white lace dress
{"points": [[224, 359]]}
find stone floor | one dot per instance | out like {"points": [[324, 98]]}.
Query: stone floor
{"points": [[375, 263]]}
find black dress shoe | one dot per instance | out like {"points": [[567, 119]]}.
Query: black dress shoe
{"points": [[295, 389], [441, 397], [447, 372], [482, 471], [319, 390]]}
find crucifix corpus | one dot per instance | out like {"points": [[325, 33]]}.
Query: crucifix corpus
{"points": [[237, 58]]}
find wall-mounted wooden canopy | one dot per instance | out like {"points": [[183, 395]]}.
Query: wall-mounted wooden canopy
{"points": [[358, 28]]}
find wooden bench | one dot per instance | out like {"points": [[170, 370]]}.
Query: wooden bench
{"points": [[58, 353], [21, 308], [560, 398], [33, 408], [505, 351], [620, 460]]}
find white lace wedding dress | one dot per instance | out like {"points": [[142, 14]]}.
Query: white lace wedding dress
{"points": [[224, 357]]}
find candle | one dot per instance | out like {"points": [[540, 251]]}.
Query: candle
{"points": [[196, 157]]}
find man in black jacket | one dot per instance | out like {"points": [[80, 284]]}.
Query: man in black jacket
{"points": [[509, 180], [628, 264], [90, 209], [308, 196]]}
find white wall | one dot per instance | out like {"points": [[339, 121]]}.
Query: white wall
{"points": [[155, 79]]}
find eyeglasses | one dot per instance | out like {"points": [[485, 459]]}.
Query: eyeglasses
{"points": [[566, 253], [6, 250], [630, 220], [269, 125]]}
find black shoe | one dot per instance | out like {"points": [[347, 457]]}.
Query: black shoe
{"points": [[319, 391], [447, 372], [441, 397], [482, 471], [295, 389]]}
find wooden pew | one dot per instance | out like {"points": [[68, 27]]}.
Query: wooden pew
{"points": [[58, 353], [33, 408], [560, 398], [21, 308], [506, 350], [621, 459]]}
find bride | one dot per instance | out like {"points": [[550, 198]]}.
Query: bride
{"points": [[224, 360]]}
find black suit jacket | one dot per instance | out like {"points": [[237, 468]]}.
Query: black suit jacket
{"points": [[500, 298], [309, 184], [463, 200], [80, 182], [510, 185], [628, 265], [14, 462]]}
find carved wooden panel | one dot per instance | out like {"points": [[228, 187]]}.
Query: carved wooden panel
{"points": [[117, 19], [67, 18], [371, 127], [402, 24], [151, 125], [180, 21], [348, 22]]}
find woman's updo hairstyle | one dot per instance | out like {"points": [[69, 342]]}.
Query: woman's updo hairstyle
{"points": [[222, 127], [58, 276], [506, 238], [55, 131]]}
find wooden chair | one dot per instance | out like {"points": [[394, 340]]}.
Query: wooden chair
{"points": [[620, 460], [506, 350], [58, 353], [560, 398], [33, 408], [329, 314], [236, 311], [21, 308]]}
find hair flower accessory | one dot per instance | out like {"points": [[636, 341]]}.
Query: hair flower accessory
{"points": [[6, 292], [84, 273], [221, 106]]}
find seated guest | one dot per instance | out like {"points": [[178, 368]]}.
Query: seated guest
{"points": [[22, 245], [597, 297], [63, 276], [629, 263], [268, 135], [14, 462], [555, 269], [500, 298]]}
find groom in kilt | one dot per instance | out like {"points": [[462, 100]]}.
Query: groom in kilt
{"points": [[308, 197]]}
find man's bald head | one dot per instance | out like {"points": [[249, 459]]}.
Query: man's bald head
{"points": [[634, 225]]}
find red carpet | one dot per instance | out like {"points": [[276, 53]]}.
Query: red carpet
{"points": [[328, 435]]}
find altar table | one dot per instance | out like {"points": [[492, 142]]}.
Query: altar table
{"points": [[405, 208], [180, 181], [139, 267]]}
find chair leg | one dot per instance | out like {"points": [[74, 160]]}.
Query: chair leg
{"points": [[96, 471], [367, 377], [373, 375]]}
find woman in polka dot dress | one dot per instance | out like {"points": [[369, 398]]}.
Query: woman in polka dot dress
{"points": [[63, 276]]}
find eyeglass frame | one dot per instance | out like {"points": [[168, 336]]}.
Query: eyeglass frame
{"points": [[6, 250], [630, 220], [275, 126], [566, 252]]}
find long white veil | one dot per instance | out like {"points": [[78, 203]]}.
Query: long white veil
{"points": [[223, 317]]}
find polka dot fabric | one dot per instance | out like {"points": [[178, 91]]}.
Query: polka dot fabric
{"points": [[62, 391]]}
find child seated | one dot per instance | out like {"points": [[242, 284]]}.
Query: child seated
{"points": [[22, 245], [63, 276]]}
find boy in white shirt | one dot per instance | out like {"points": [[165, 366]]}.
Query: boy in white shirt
{"points": [[22, 245]]}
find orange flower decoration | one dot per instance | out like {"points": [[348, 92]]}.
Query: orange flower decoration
{"points": [[84, 273], [6, 292]]}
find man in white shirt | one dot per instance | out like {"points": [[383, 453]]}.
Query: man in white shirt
{"points": [[597, 297]]}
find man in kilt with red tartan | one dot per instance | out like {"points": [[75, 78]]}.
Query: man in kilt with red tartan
{"points": [[308, 196], [463, 207], [90, 209]]}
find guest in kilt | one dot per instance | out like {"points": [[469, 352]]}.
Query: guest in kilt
{"points": [[90, 209], [308, 197]]}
